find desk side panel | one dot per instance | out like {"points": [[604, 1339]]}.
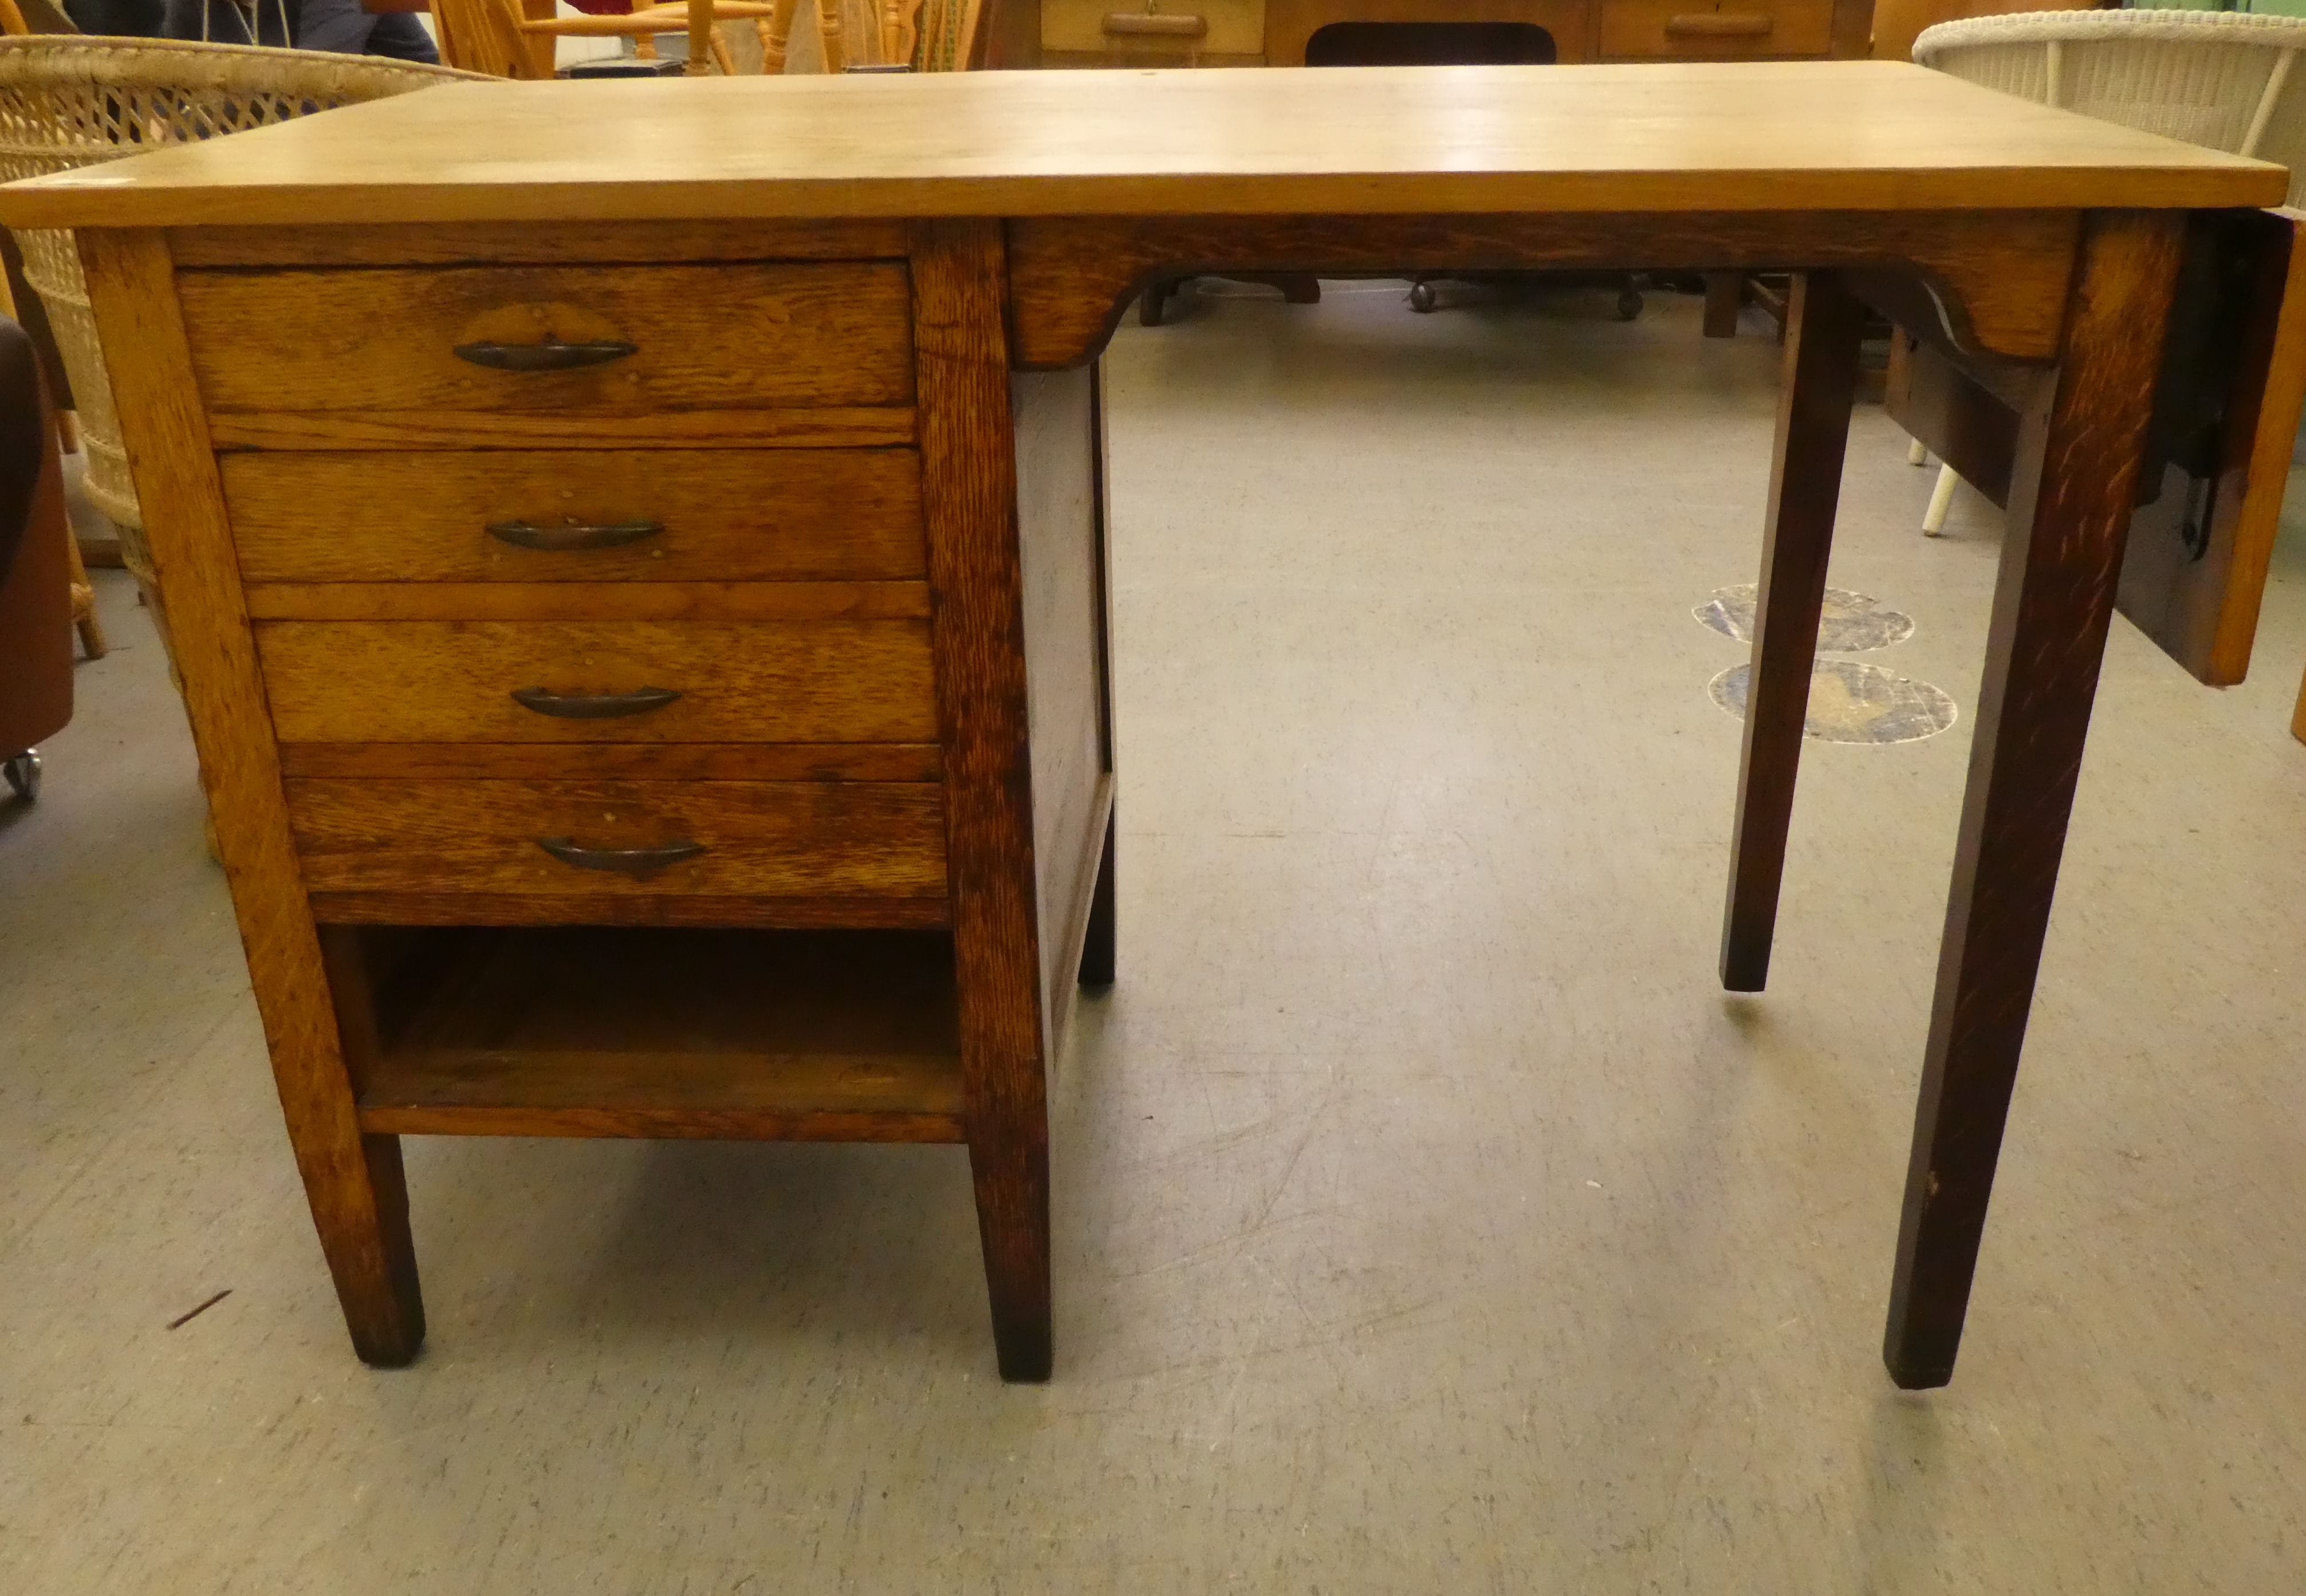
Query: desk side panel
{"points": [[1059, 528]]}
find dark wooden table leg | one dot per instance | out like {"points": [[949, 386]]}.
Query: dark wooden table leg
{"points": [[968, 493], [2069, 508], [1813, 400], [1097, 947], [1725, 296]]}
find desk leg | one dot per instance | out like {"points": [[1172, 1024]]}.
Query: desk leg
{"points": [[1825, 325], [969, 495], [2069, 508]]}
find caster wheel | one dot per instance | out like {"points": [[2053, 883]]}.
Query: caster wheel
{"points": [[1422, 299], [23, 773], [1629, 304]]}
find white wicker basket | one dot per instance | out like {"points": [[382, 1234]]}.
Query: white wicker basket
{"points": [[2222, 79], [69, 101]]}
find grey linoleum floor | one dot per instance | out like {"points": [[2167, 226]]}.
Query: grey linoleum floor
{"points": [[1428, 1219]]}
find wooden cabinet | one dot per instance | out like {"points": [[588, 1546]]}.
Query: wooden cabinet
{"points": [[1278, 32]]}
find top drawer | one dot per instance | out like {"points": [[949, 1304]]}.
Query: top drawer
{"points": [[1138, 29], [1714, 29], [607, 340]]}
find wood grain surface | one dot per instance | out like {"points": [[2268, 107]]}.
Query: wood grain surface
{"points": [[2000, 277], [1840, 135], [600, 1032], [359, 1200], [589, 600], [727, 515], [706, 338], [799, 838], [850, 426], [452, 682], [2070, 502], [651, 762], [969, 488], [696, 909], [486, 243]]}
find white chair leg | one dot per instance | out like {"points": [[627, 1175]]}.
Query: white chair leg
{"points": [[1941, 497], [1916, 455]]}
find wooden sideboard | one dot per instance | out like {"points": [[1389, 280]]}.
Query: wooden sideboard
{"points": [[1278, 32], [642, 614]]}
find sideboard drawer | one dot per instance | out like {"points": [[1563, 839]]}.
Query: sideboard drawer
{"points": [[586, 839], [1704, 31], [606, 340], [791, 681], [576, 515], [1137, 32]]}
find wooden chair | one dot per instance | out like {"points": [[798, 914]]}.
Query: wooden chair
{"points": [[501, 39]]}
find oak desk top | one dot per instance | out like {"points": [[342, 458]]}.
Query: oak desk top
{"points": [[1859, 135]]}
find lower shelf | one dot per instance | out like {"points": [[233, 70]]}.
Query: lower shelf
{"points": [[846, 1036]]}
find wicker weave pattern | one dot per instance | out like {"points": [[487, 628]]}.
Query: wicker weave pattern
{"points": [[2210, 78], [67, 102]]}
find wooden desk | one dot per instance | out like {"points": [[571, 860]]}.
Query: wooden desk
{"points": [[697, 535], [1281, 32]]}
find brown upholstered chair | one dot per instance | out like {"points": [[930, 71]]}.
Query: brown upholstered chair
{"points": [[36, 617]]}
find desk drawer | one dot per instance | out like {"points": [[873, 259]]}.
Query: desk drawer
{"points": [[608, 340], [1139, 32], [1703, 30], [587, 839], [576, 515], [426, 681]]}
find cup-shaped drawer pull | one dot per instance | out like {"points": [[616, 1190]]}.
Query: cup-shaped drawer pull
{"points": [[594, 706], [550, 355], [563, 536], [1717, 24], [639, 862], [1148, 24]]}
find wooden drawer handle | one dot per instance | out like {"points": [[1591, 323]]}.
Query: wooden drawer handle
{"points": [[592, 706], [573, 535], [637, 862], [1714, 24], [1152, 24], [550, 355]]}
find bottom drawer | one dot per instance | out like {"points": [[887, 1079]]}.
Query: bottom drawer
{"points": [[592, 839]]}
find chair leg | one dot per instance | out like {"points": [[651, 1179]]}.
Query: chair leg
{"points": [[1941, 500], [722, 58], [828, 34], [1725, 296], [1916, 455], [2298, 717], [84, 602], [776, 37]]}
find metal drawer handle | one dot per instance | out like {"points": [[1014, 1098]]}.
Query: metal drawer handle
{"points": [[550, 355], [573, 535], [637, 862], [1715, 24], [1156, 25], [594, 706]]}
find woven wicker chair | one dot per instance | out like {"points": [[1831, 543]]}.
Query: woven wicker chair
{"points": [[2224, 79], [70, 101]]}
